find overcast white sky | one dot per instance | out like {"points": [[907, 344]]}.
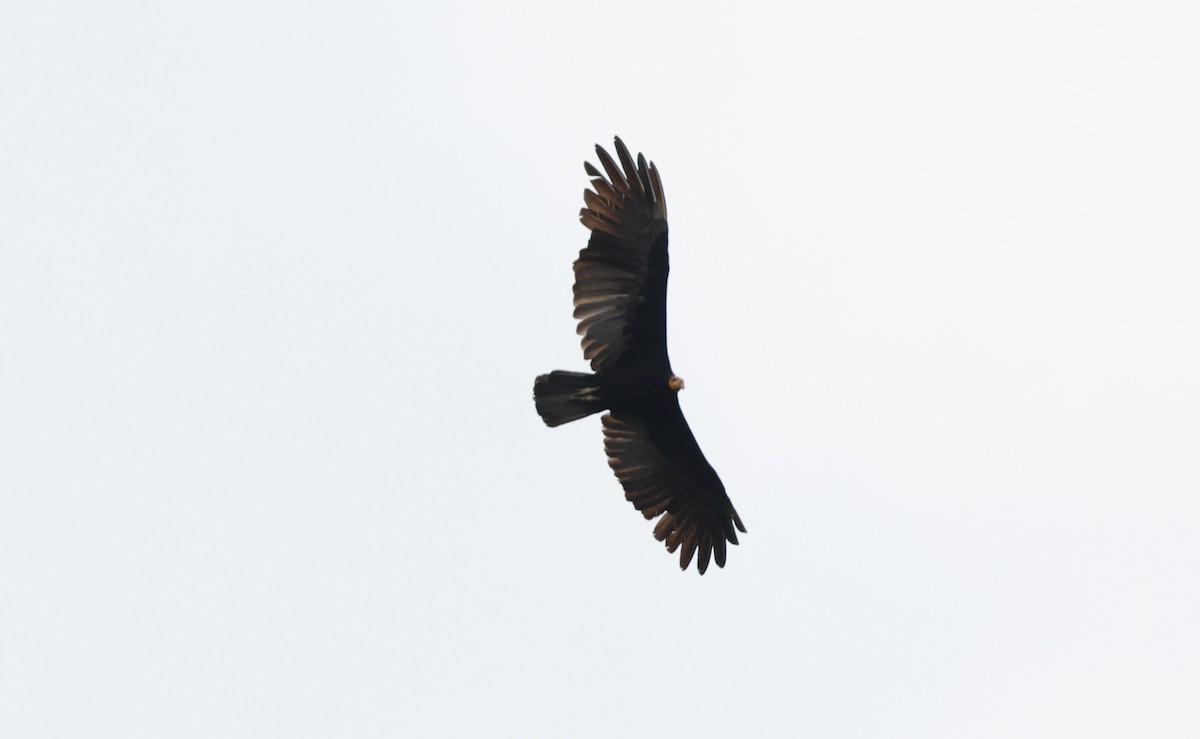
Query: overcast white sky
{"points": [[276, 278]]}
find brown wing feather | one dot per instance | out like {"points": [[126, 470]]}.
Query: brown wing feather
{"points": [[616, 275], [663, 471]]}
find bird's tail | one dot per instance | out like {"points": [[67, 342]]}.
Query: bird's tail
{"points": [[566, 396]]}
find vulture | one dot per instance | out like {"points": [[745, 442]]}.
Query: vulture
{"points": [[621, 305]]}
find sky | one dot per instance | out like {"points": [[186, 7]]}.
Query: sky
{"points": [[276, 278]]}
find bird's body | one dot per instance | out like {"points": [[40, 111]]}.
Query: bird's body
{"points": [[621, 304]]}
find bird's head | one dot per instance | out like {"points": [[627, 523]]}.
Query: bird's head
{"points": [[675, 383]]}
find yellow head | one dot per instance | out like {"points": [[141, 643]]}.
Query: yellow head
{"points": [[675, 383]]}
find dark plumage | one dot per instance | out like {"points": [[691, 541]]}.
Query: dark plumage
{"points": [[621, 304]]}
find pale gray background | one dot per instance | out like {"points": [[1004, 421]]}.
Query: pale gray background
{"points": [[275, 280]]}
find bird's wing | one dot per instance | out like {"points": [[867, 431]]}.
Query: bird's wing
{"points": [[663, 471], [621, 277]]}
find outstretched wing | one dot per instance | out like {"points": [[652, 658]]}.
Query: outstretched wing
{"points": [[663, 471], [621, 277]]}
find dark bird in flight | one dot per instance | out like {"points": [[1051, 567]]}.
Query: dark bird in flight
{"points": [[621, 305]]}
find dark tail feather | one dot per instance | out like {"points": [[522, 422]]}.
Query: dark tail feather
{"points": [[566, 396]]}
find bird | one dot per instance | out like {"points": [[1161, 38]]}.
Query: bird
{"points": [[620, 297]]}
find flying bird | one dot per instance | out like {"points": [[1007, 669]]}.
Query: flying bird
{"points": [[621, 305]]}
